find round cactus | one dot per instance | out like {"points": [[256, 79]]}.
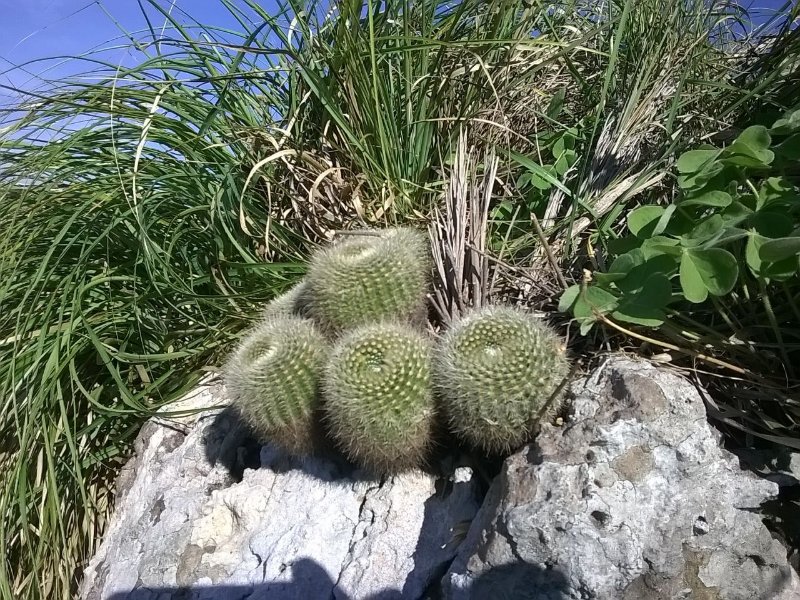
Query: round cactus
{"points": [[293, 302], [274, 380], [495, 371], [378, 399], [369, 278]]}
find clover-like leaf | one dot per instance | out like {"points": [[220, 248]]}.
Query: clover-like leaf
{"points": [[707, 270], [753, 142], [694, 290], [568, 298], [779, 249], [715, 198], [646, 306], [643, 220], [790, 123], [704, 231], [777, 270], [694, 161], [638, 278]]}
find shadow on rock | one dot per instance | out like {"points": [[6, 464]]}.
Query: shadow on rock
{"points": [[229, 441], [310, 581], [519, 581]]}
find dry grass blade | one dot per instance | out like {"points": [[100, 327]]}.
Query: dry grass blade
{"points": [[459, 234]]}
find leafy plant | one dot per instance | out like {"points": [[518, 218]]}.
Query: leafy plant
{"points": [[734, 225]]}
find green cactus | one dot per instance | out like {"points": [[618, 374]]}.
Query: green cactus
{"points": [[273, 379], [495, 371], [369, 278], [379, 404], [293, 302]]}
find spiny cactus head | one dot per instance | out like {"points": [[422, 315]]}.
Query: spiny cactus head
{"points": [[273, 379], [497, 372], [379, 404], [369, 278], [294, 302]]}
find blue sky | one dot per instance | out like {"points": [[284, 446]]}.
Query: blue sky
{"points": [[33, 29], [36, 29]]}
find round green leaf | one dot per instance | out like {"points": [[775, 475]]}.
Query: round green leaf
{"points": [[642, 221], [705, 230], [714, 268], [788, 124], [712, 198], [779, 249], [568, 298], [694, 161], [751, 252], [594, 300], [753, 142], [694, 290], [655, 268]]}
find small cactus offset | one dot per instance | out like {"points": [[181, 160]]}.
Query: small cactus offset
{"points": [[274, 381], [495, 371], [293, 302], [369, 278], [379, 404]]}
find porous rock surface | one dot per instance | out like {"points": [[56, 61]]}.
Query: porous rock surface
{"points": [[186, 527], [632, 499]]}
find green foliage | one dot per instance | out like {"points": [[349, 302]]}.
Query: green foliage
{"points": [[370, 278], [273, 379], [378, 399], [735, 224], [497, 372]]}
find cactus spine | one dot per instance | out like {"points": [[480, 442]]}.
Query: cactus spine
{"points": [[274, 379], [294, 302], [379, 404], [495, 371], [370, 278]]}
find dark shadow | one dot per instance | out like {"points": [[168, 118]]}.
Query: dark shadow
{"points": [[229, 441], [309, 581], [520, 581]]}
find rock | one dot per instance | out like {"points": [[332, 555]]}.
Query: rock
{"points": [[189, 524], [632, 499]]}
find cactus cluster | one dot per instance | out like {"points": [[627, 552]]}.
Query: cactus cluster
{"points": [[347, 352]]}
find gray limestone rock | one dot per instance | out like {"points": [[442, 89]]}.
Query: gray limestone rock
{"points": [[186, 527], [632, 500]]}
